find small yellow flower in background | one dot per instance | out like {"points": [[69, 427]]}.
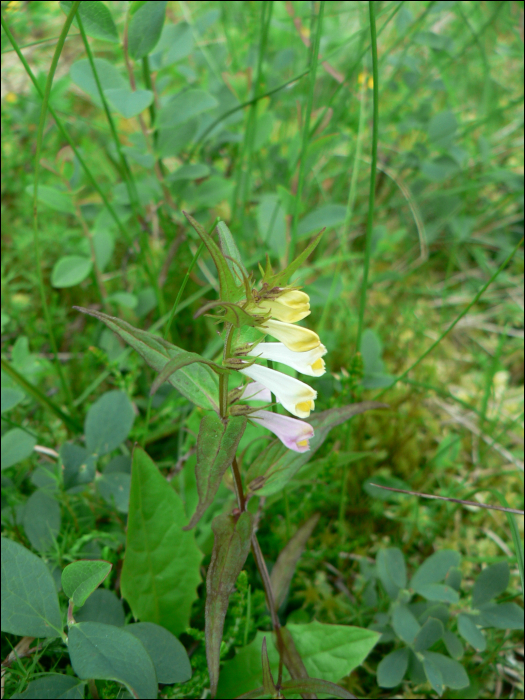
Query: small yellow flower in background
{"points": [[13, 5], [11, 97], [363, 79]]}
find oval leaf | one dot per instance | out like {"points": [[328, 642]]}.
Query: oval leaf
{"points": [[29, 595], [184, 106], [392, 668], [96, 20], [70, 270], [81, 578], [106, 652], [492, 581], [128, 103], [145, 28], [108, 422], [42, 520], [171, 661], [16, 446]]}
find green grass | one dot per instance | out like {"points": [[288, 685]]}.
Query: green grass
{"points": [[410, 271]]}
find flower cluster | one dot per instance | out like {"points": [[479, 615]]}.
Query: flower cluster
{"points": [[299, 348]]}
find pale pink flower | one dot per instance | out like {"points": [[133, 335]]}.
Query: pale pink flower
{"points": [[291, 432]]}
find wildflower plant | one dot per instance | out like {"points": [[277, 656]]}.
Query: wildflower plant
{"points": [[226, 390]]}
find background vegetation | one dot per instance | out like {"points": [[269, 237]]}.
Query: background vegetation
{"points": [[448, 212]]}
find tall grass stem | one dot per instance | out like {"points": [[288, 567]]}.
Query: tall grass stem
{"points": [[36, 240]]}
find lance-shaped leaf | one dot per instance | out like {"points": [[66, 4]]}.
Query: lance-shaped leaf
{"points": [[232, 314], [230, 549], [268, 682], [230, 290], [196, 382], [276, 465], [282, 277], [177, 363], [230, 251], [216, 447], [284, 567]]}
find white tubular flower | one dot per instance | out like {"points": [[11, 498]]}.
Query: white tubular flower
{"points": [[308, 362], [295, 338], [291, 432], [255, 391], [295, 396], [290, 307]]}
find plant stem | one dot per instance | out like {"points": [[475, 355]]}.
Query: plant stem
{"points": [[373, 170], [39, 139], [306, 129]]}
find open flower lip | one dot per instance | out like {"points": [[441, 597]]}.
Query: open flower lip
{"points": [[309, 362], [296, 396], [294, 434]]}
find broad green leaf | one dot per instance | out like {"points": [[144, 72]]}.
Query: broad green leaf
{"points": [[453, 578], [492, 581], [216, 447], [271, 223], [330, 652], [114, 489], [442, 128], [404, 623], [196, 382], [29, 596], [284, 568], [231, 544], [210, 192], [70, 270], [429, 634], [129, 103], [53, 198], [435, 568], [230, 290], [106, 652], [161, 567], [471, 632], [184, 106], [16, 446], [453, 644], [281, 278], [391, 569], [502, 616], [102, 606], [316, 685], [42, 520], [145, 28], [108, 422], [438, 592], [392, 668], [169, 657], [109, 77], [243, 673], [439, 169], [125, 299], [11, 397], [229, 248], [96, 20], [276, 465], [453, 674], [79, 465], [189, 172], [328, 216], [81, 578], [54, 686], [178, 363]]}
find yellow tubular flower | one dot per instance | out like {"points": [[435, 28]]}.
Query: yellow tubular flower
{"points": [[291, 306], [295, 338]]}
